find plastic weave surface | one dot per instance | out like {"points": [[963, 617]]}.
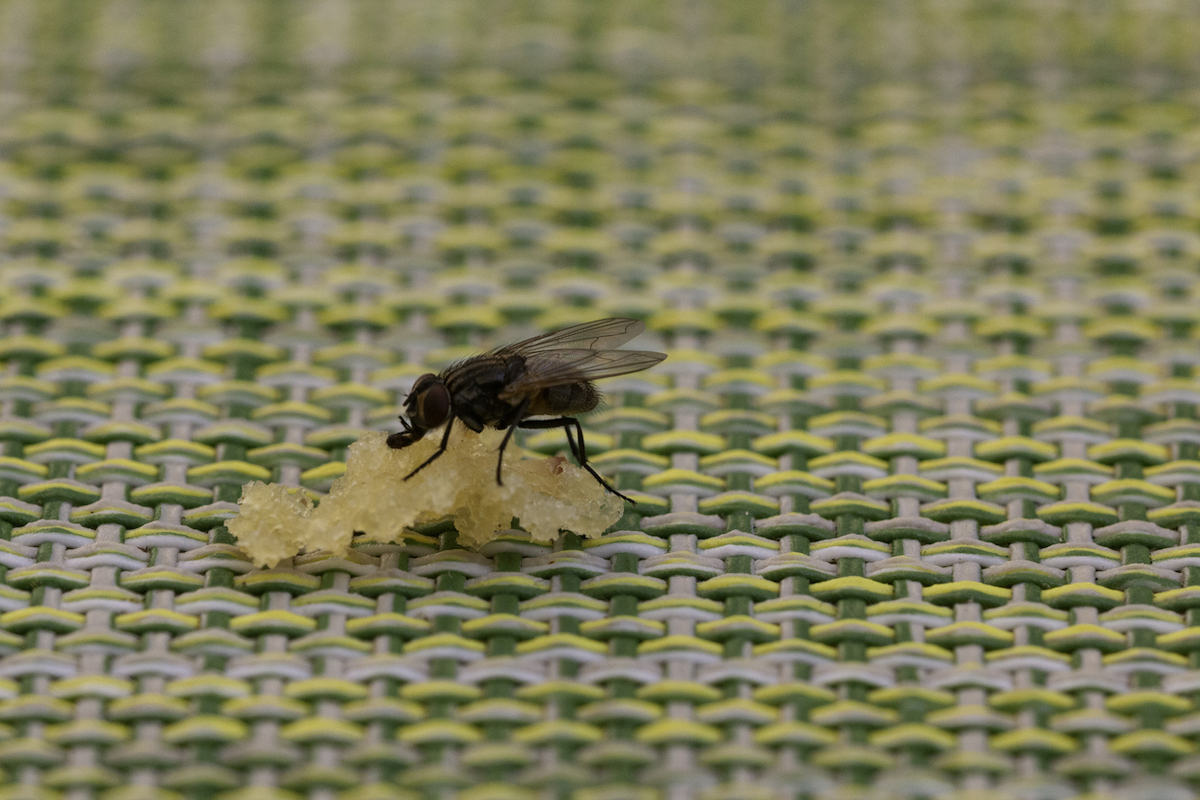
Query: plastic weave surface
{"points": [[918, 486]]}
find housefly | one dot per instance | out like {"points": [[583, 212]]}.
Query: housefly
{"points": [[548, 377]]}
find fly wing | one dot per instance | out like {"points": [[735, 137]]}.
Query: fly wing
{"points": [[603, 334], [572, 365]]}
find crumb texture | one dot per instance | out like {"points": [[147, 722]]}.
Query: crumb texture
{"points": [[546, 496]]}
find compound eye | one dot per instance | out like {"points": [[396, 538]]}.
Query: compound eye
{"points": [[435, 405], [419, 388]]}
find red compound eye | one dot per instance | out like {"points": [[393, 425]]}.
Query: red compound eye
{"points": [[435, 406]]}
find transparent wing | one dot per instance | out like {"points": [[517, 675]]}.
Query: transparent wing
{"points": [[603, 334], [574, 364]]}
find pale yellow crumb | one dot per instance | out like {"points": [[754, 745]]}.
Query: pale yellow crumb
{"points": [[545, 495]]}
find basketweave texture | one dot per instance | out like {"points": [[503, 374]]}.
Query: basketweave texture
{"points": [[918, 487]]}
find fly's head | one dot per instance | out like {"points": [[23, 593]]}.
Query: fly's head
{"points": [[427, 407]]}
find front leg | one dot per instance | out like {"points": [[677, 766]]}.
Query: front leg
{"points": [[580, 452], [441, 449]]}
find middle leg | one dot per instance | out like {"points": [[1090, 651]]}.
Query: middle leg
{"points": [[520, 410]]}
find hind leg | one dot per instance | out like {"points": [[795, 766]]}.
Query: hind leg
{"points": [[580, 451]]}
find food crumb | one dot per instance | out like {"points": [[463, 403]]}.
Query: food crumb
{"points": [[546, 496]]}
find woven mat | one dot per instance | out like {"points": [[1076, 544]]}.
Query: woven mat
{"points": [[918, 487]]}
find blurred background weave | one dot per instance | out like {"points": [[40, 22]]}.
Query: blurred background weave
{"points": [[918, 487]]}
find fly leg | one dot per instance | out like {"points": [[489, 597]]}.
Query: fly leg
{"points": [[580, 452], [516, 420], [441, 449]]}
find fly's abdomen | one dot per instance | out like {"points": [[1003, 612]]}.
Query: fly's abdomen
{"points": [[565, 399]]}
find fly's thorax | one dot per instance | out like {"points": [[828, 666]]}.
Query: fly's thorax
{"points": [[484, 372], [476, 385]]}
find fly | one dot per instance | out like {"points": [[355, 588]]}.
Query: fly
{"points": [[549, 377]]}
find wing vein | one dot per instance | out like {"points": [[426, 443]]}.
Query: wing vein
{"points": [[604, 334]]}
